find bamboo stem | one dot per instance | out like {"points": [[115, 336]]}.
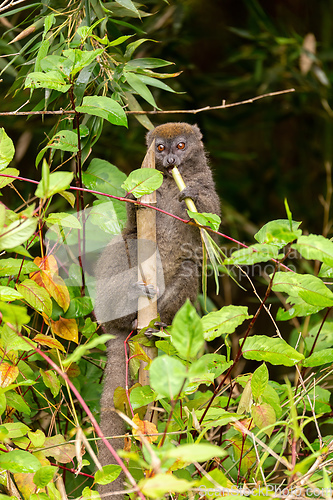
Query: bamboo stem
{"points": [[147, 308]]}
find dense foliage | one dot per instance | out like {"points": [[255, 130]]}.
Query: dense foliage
{"points": [[224, 424]]}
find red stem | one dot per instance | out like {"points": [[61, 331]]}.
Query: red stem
{"points": [[127, 200]]}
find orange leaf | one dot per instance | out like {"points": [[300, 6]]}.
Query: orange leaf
{"points": [[48, 278], [66, 329], [247, 423], [48, 341], [8, 374], [56, 287], [47, 263], [144, 427]]}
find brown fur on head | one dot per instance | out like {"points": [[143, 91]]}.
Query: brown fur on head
{"points": [[172, 129]]}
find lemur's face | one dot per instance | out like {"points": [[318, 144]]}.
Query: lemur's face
{"points": [[171, 152], [175, 144]]}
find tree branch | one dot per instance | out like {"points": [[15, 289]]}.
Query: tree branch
{"points": [[157, 111]]}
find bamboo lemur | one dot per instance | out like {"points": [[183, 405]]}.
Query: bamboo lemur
{"points": [[179, 245]]}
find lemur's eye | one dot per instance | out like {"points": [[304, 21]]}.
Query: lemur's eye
{"points": [[181, 145], [160, 147]]}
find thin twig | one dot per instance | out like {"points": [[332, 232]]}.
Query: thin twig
{"points": [[11, 3], [156, 111]]}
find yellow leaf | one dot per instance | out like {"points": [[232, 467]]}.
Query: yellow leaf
{"points": [[8, 374], [144, 427], [66, 329], [48, 341]]}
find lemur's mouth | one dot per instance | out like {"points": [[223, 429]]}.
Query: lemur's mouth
{"points": [[169, 169]]}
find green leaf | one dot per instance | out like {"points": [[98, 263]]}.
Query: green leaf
{"points": [[79, 307], [157, 486], [319, 400], [264, 416], [7, 149], [14, 429], [306, 286], [299, 308], [4, 181], [319, 358], [186, 332], [325, 338], [143, 181], [146, 63], [260, 252], [65, 140], [16, 315], [128, 4], [223, 321], [59, 181], [315, 247], [278, 232], [141, 88], [51, 80], [37, 438], [57, 63], [11, 267], [214, 364], [3, 405], [259, 381], [41, 54], [44, 475], [81, 350], [19, 461], [174, 375], [105, 177], [271, 397], [110, 217], [154, 82], [246, 400], [141, 396], [81, 58], [36, 296], [64, 220], [51, 380], [211, 220], [196, 452], [8, 293], [272, 350], [108, 474], [17, 232], [16, 401], [105, 107], [208, 487]]}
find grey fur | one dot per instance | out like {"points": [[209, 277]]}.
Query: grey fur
{"points": [[180, 251]]}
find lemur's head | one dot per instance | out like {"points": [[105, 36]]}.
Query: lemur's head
{"points": [[175, 144]]}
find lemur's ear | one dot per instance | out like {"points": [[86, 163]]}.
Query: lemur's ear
{"points": [[197, 131]]}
